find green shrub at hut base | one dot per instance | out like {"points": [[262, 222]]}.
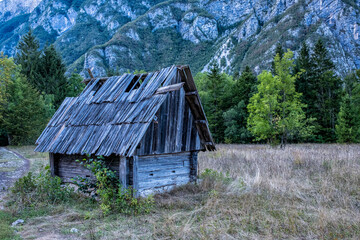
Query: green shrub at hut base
{"points": [[39, 190], [34, 191], [112, 196]]}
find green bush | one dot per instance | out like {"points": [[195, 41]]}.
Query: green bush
{"points": [[127, 204], [112, 196], [42, 189]]}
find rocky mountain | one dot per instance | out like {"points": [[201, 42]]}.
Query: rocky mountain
{"points": [[120, 35], [12, 8], [73, 25]]}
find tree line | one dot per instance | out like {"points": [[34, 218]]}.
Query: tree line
{"points": [[33, 85], [299, 99]]}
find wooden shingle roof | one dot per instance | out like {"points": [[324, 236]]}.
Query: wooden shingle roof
{"points": [[112, 114]]}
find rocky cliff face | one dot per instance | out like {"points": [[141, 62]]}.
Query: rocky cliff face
{"points": [[73, 25], [119, 35], [12, 8], [233, 33]]}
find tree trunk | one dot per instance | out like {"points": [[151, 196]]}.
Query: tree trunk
{"points": [[9, 139]]}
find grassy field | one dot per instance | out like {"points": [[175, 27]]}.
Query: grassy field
{"points": [[302, 192]]}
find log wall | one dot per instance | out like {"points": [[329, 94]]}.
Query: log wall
{"points": [[66, 167], [157, 173]]}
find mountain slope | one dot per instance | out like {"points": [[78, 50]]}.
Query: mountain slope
{"points": [[13, 8], [73, 25], [232, 33], [121, 35]]}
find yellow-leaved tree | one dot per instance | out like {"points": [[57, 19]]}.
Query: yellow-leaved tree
{"points": [[7, 72], [275, 111]]}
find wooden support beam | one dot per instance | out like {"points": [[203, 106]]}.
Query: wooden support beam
{"points": [[90, 73], [135, 165], [123, 172], [170, 88], [191, 93], [200, 121], [52, 164], [193, 166]]}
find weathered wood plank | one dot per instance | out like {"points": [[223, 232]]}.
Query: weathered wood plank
{"points": [[192, 93], [52, 164], [135, 177], [180, 122], [176, 180], [123, 172], [170, 88], [162, 174], [193, 166]]}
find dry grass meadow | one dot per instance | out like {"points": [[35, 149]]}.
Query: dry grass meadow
{"points": [[306, 191]]}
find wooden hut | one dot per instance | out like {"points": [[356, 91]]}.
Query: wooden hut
{"points": [[149, 127]]}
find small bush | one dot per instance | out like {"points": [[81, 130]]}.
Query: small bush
{"points": [[111, 194], [42, 189], [127, 204]]}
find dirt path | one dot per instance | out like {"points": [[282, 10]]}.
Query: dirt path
{"points": [[12, 167]]}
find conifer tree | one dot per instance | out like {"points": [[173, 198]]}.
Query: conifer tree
{"points": [[348, 122], [53, 80], [215, 92], [75, 85], [321, 59], [43, 69], [244, 87], [235, 119], [328, 93], [28, 56], [305, 83], [344, 126]]}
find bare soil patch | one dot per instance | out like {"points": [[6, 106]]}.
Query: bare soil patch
{"points": [[12, 167]]}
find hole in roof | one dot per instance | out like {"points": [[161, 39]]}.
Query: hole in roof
{"points": [[135, 83], [97, 86]]}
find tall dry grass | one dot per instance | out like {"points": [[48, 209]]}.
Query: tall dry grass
{"points": [[305, 191]]}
